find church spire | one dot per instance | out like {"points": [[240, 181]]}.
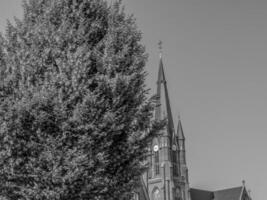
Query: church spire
{"points": [[163, 97], [180, 132], [181, 142]]}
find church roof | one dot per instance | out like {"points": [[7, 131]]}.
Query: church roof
{"points": [[226, 194], [197, 194]]}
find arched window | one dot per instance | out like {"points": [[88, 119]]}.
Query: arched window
{"points": [[150, 162], [176, 194], [156, 194], [156, 160], [174, 162]]}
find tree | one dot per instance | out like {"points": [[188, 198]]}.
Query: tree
{"points": [[75, 119]]}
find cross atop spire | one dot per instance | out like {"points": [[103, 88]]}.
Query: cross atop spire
{"points": [[243, 183], [160, 47]]}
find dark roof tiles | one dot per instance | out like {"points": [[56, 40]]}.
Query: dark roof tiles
{"points": [[197, 194], [226, 194]]}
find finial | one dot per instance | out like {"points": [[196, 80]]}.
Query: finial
{"points": [[243, 182], [160, 47]]}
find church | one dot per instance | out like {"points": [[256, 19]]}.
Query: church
{"points": [[167, 175]]}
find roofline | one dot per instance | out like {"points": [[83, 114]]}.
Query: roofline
{"points": [[228, 188], [200, 190]]}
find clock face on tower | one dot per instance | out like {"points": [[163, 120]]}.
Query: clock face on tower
{"points": [[156, 148]]}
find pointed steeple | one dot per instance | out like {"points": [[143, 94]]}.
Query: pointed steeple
{"points": [[163, 97], [181, 142], [180, 132]]}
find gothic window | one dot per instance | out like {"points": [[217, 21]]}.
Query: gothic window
{"points": [[187, 175], [175, 163], [176, 194], [150, 164], [156, 160], [183, 156], [156, 194], [169, 154]]}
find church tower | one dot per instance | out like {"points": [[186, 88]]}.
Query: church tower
{"points": [[182, 159], [167, 176]]}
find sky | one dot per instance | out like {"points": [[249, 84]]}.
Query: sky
{"points": [[214, 54]]}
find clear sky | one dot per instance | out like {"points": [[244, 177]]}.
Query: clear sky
{"points": [[215, 56]]}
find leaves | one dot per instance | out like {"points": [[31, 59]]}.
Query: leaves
{"points": [[75, 120]]}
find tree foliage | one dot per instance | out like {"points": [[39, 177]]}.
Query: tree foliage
{"points": [[75, 120]]}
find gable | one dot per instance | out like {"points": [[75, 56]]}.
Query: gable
{"points": [[245, 195]]}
